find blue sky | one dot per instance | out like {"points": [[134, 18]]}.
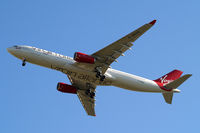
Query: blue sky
{"points": [[29, 100]]}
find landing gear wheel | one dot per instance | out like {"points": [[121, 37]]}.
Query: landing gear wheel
{"points": [[24, 62], [98, 74], [87, 92], [102, 78], [92, 94]]}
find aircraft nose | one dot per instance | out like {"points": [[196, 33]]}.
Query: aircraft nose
{"points": [[10, 50]]}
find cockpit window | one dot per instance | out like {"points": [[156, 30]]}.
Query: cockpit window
{"points": [[17, 47]]}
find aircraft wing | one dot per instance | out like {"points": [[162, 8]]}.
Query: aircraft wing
{"points": [[87, 102], [110, 53], [84, 96]]}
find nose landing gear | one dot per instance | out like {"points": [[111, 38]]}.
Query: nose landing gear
{"points": [[24, 62]]}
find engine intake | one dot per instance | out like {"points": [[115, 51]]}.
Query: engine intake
{"points": [[83, 58], [66, 88]]}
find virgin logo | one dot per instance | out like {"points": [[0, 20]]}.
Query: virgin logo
{"points": [[164, 80]]}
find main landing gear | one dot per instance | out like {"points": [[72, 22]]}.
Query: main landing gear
{"points": [[99, 73], [90, 93], [24, 62]]}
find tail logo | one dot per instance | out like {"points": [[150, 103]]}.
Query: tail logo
{"points": [[164, 80]]}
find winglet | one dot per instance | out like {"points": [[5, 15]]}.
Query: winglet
{"points": [[152, 22]]}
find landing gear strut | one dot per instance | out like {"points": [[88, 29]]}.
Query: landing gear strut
{"points": [[99, 73], [24, 62]]}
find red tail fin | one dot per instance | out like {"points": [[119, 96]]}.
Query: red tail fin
{"points": [[173, 75]]}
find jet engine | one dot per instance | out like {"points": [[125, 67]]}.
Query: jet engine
{"points": [[66, 88], [83, 58]]}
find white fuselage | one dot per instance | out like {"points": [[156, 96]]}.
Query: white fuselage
{"points": [[77, 70]]}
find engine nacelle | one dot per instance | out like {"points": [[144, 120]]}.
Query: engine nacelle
{"points": [[66, 88], [84, 58]]}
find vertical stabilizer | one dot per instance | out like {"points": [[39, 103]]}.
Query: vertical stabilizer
{"points": [[171, 76]]}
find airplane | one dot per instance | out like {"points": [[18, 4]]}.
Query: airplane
{"points": [[86, 72]]}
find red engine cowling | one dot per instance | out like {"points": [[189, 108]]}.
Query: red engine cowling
{"points": [[66, 88], [84, 58]]}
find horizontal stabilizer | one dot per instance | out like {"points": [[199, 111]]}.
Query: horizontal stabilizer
{"points": [[168, 97], [176, 83]]}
